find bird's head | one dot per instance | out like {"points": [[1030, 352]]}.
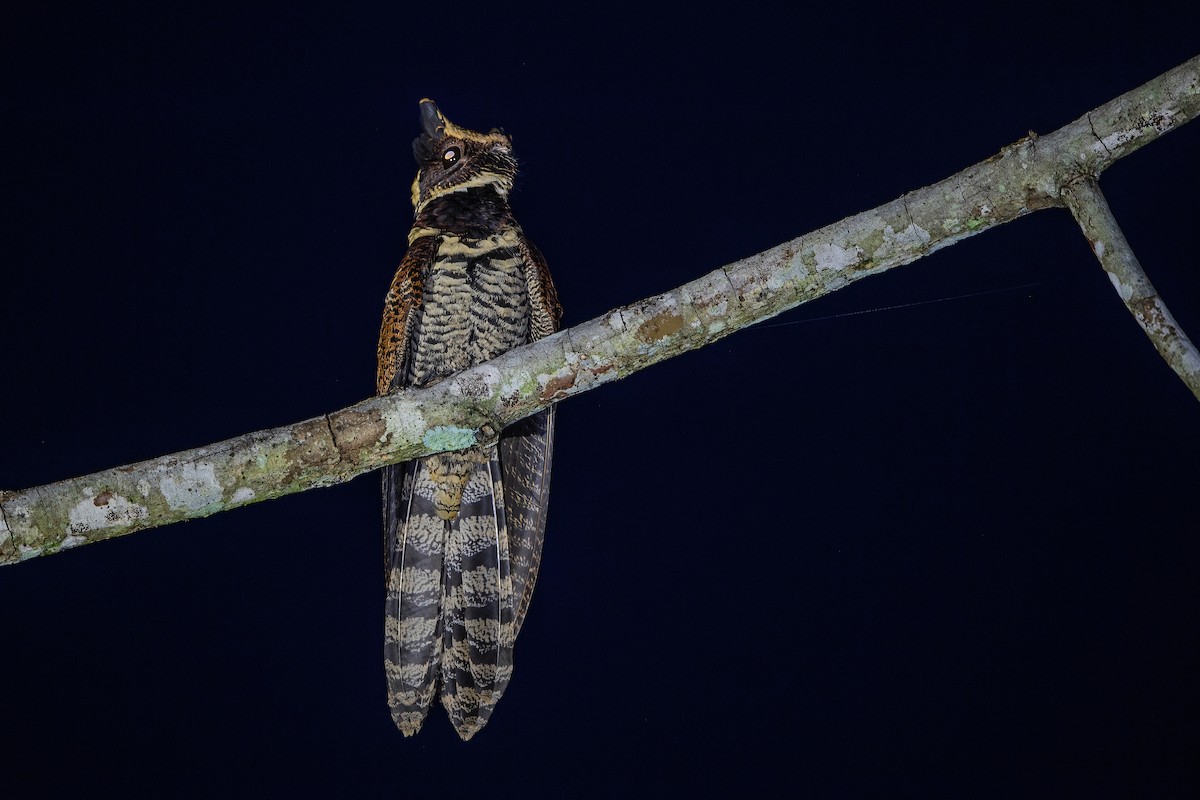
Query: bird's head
{"points": [[454, 159]]}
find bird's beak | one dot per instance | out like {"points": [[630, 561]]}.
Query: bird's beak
{"points": [[432, 121]]}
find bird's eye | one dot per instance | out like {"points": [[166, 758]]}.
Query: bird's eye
{"points": [[450, 156]]}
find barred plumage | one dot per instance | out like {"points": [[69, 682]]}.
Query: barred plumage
{"points": [[464, 529]]}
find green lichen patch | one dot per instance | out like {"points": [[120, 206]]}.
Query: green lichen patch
{"points": [[447, 437]]}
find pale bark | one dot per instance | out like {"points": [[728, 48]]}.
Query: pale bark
{"points": [[1026, 176], [1095, 218]]}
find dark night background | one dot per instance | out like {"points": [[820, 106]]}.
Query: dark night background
{"points": [[945, 550]]}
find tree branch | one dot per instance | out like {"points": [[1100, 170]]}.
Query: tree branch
{"points": [[1095, 218], [468, 408]]}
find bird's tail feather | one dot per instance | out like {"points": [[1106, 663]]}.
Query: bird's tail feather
{"points": [[450, 604]]}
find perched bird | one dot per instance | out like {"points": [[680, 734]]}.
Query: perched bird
{"points": [[463, 529]]}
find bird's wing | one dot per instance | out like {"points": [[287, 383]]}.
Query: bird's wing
{"points": [[412, 554], [399, 311], [526, 447]]}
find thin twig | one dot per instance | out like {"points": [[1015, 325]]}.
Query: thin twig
{"points": [[1095, 218]]}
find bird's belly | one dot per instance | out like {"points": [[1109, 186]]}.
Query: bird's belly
{"points": [[475, 306]]}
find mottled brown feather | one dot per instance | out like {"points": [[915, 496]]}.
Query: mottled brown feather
{"points": [[547, 311], [399, 308]]}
